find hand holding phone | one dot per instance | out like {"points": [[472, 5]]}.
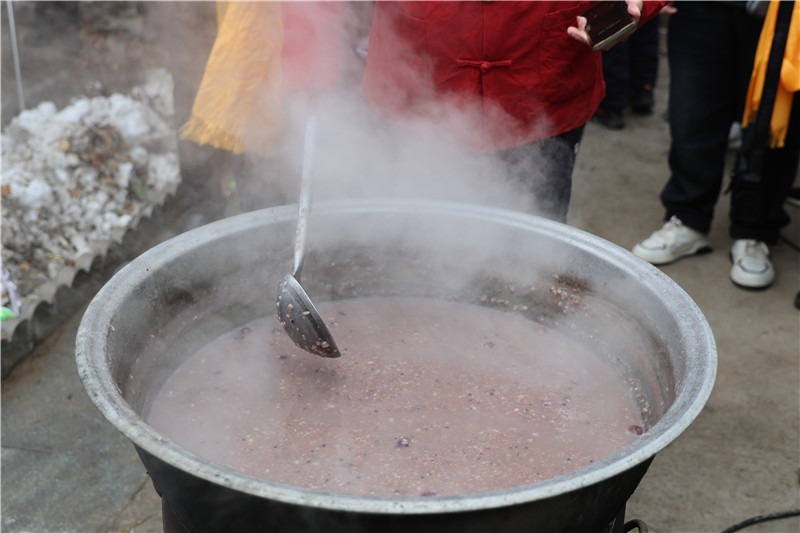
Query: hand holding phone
{"points": [[607, 22]]}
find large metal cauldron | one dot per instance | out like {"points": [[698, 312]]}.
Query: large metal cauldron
{"points": [[176, 297]]}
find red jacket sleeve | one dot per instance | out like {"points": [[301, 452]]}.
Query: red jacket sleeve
{"points": [[651, 9]]}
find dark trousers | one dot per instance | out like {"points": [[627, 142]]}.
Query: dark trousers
{"points": [[711, 47], [631, 66], [544, 169], [763, 218]]}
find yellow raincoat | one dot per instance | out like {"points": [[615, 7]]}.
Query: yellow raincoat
{"points": [[789, 80]]}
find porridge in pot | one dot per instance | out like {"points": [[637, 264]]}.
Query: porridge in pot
{"points": [[430, 398]]}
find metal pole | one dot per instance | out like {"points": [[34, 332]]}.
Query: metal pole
{"points": [[15, 53]]}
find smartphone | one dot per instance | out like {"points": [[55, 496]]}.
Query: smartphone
{"points": [[607, 22]]}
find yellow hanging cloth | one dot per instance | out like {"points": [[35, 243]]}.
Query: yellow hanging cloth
{"points": [[789, 80], [238, 105]]}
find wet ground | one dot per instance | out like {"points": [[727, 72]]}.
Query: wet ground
{"points": [[64, 468]]}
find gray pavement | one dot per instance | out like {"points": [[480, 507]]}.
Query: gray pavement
{"points": [[64, 468]]}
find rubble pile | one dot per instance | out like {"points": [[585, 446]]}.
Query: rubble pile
{"points": [[75, 180]]}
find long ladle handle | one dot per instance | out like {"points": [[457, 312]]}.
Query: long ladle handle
{"points": [[304, 202]]}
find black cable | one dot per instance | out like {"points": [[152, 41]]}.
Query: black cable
{"points": [[762, 518]]}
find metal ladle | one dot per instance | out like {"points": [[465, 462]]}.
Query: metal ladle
{"points": [[296, 313]]}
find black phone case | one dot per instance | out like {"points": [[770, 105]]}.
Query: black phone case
{"points": [[607, 22]]}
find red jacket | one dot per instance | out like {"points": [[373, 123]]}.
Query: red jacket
{"points": [[509, 69]]}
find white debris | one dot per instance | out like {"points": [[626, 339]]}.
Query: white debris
{"points": [[75, 180]]}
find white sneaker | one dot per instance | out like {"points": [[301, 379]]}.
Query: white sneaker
{"points": [[671, 242], [752, 268]]}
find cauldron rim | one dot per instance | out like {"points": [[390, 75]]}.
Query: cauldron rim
{"points": [[99, 383]]}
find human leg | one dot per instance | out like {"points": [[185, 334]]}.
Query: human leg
{"points": [[757, 207], [616, 78], [707, 89], [643, 58], [764, 219], [544, 168]]}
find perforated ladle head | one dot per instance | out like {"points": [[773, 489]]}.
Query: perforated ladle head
{"points": [[302, 321], [298, 316]]}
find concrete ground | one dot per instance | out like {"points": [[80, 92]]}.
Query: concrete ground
{"points": [[64, 468]]}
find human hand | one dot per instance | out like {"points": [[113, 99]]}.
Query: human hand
{"points": [[635, 9], [668, 9], [578, 32]]}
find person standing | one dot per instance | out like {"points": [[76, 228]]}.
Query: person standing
{"points": [[630, 70], [711, 51], [514, 81], [520, 76]]}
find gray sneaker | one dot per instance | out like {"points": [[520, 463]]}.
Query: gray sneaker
{"points": [[752, 268], [671, 242]]}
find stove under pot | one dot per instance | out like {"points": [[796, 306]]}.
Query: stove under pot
{"points": [[618, 525]]}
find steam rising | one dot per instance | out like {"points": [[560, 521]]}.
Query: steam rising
{"points": [[361, 154]]}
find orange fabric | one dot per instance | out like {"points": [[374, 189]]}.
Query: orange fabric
{"points": [[789, 80], [263, 51], [237, 107], [221, 8]]}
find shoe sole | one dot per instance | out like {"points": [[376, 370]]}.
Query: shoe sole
{"points": [[754, 288], [704, 249], [750, 287]]}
